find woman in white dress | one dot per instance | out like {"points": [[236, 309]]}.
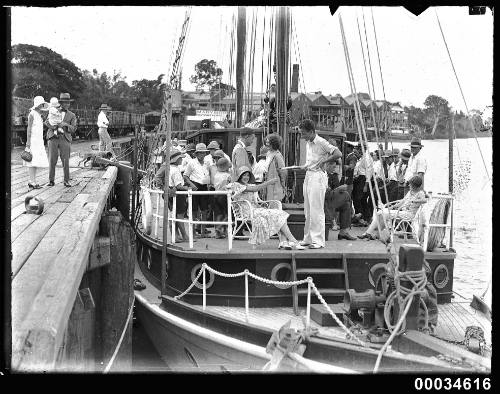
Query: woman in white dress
{"points": [[34, 141]]}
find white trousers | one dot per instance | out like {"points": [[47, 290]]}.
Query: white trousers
{"points": [[315, 185]]}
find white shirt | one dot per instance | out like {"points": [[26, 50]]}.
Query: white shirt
{"points": [[185, 160], [391, 172], [377, 168], [175, 175], [416, 164], [316, 150], [365, 166], [259, 170], [197, 172], [102, 120]]}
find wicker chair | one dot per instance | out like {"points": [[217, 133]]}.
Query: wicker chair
{"points": [[243, 213]]}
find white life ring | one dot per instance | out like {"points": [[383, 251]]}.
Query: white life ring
{"points": [[147, 212]]}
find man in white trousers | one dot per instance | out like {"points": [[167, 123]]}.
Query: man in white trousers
{"points": [[319, 152]]}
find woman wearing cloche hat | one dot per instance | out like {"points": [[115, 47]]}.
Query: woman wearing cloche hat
{"points": [[34, 141]]}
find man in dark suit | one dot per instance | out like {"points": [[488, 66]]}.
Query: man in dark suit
{"points": [[60, 144]]}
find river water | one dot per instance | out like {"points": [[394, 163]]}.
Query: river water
{"points": [[472, 220]]}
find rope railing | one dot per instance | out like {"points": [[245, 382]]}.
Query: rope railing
{"points": [[190, 221], [282, 284]]}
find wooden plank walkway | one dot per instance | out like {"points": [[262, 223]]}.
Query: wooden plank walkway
{"points": [[50, 251]]}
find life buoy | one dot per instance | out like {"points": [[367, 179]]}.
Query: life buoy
{"points": [[147, 212], [33, 208]]}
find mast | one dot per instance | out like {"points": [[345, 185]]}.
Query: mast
{"points": [[282, 38], [451, 133], [240, 62]]}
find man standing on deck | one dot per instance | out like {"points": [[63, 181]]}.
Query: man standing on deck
{"points": [[239, 158], [362, 176], [417, 165], [318, 153], [105, 143], [60, 144]]}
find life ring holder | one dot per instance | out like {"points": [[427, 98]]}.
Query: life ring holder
{"points": [[36, 209], [441, 282], [147, 212], [199, 282], [274, 274]]}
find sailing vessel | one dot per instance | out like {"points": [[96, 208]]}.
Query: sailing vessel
{"points": [[221, 305]]}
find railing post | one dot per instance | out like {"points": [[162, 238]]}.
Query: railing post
{"points": [[190, 217], [229, 221], [246, 293], [203, 267], [157, 209], [308, 310], [451, 224], [174, 216]]}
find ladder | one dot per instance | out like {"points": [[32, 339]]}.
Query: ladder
{"points": [[318, 274]]}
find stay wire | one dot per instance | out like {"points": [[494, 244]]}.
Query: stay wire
{"points": [[462, 93]]}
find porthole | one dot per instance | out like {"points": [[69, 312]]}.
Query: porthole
{"points": [[199, 283], [441, 276], [281, 272]]}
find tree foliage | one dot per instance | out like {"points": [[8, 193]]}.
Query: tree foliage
{"points": [[207, 74], [41, 71]]}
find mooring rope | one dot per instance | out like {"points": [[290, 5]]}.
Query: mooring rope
{"points": [[118, 345]]}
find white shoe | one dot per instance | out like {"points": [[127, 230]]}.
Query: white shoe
{"points": [[315, 246], [296, 246], [304, 243], [284, 245]]}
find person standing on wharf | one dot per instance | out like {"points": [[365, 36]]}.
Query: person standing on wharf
{"points": [[60, 144], [318, 153]]}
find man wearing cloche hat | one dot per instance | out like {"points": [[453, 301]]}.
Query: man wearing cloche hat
{"points": [[60, 144], [105, 143], [417, 165]]}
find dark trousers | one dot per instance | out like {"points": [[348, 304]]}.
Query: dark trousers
{"points": [[220, 213], [401, 191], [392, 190], [59, 147], [360, 198], [341, 202]]}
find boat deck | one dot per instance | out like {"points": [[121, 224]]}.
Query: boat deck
{"points": [[453, 318]]}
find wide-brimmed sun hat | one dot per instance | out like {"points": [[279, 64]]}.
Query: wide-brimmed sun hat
{"points": [[38, 101], [405, 154], [416, 142], [395, 152], [174, 156], [223, 164], [65, 97], [213, 145], [201, 147], [190, 147], [104, 107], [387, 153], [244, 169], [54, 102], [218, 153]]}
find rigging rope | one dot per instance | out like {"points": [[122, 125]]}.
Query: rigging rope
{"points": [[463, 97], [379, 65]]}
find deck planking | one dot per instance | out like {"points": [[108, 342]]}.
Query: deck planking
{"points": [[50, 251]]}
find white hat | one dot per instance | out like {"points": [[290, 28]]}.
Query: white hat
{"points": [[54, 102], [39, 100]]}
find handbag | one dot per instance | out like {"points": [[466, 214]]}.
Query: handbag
{"points": [[26, 156]]}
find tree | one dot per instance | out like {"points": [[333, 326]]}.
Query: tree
{"points": [[207, 74], [148, 94], [41, 71], [436, 107]]}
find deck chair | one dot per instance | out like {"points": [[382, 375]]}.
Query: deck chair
{"points": [[243, 213]]}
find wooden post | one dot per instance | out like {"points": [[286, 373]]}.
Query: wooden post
{"points": [[135, 161], [117, 291], [451, 133], [123, 189]]}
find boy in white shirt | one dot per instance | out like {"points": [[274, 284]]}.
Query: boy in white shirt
{"points": [[55, 116]]}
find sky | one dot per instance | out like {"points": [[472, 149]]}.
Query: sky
{"points": [[139, 42]]}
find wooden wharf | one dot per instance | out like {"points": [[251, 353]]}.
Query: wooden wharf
{"points": [[72, 272]]}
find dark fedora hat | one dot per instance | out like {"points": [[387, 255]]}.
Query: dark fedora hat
{"points": [[65, 97], [405, 154], [416, 142]]}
